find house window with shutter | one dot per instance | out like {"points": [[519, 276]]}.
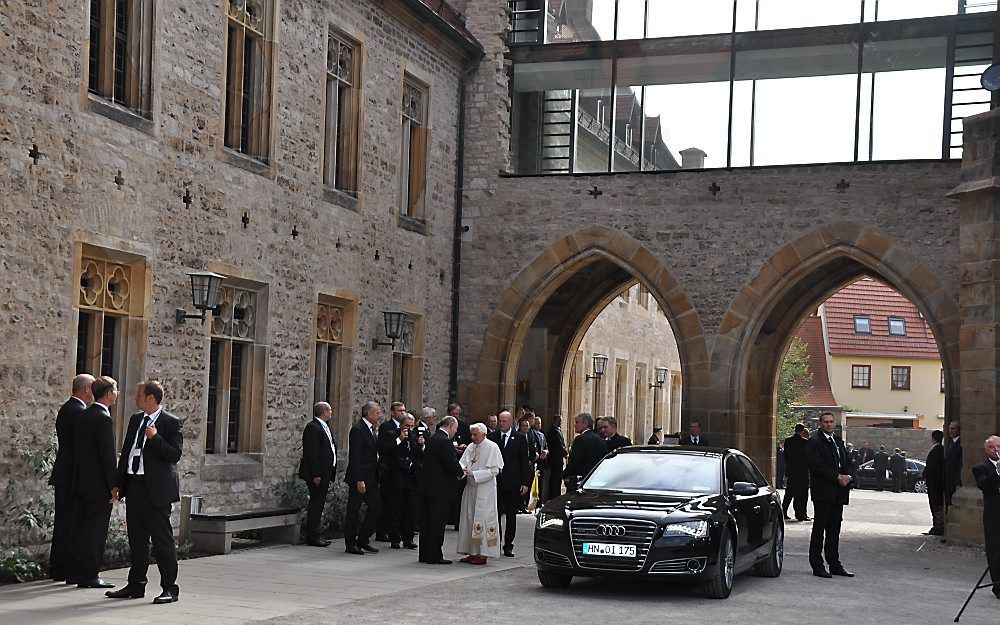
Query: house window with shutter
{"points": [[413, 149], [343, 111], [119, 53], [248, 76]]}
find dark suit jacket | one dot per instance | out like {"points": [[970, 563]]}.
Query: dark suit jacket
{"points": [[439, 470], [160, 456], [953, 466], [556, 441], [588, 449], [824, 468], [464, 435], [702, 441], [934, 469], [318, 460], [94, 452], [796, 464], [516, 470], [864, 455], [988, 481], [617, 441], [362, 456], [897, 464], [881, 462], [62, 470]]}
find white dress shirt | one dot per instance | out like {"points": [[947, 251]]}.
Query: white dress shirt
{"points": [[136, 451]]}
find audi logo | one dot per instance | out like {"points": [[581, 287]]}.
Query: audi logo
{"points": [[611, 530]]}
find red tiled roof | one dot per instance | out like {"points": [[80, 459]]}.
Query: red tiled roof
{"points": [[879, 302], [820, 393]]}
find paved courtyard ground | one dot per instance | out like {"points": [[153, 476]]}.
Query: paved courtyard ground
{"points": [[902, 577]]}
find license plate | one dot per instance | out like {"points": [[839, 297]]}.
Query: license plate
{"points": [[608, 549]]}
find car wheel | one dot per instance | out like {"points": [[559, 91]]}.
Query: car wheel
{"points": [[554, 580], [771, 567], [920, 487], [721, 583]]}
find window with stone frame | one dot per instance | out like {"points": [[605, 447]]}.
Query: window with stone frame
{"points": [[414, 144], [334, 334], [900, 379], [120, 51], [407, 365], [249, 39], [234, 422], [861, 376], [343, 112], [643, 297], [110, 301]]}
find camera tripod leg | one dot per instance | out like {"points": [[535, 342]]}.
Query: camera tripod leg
{"points": [[974, 589]]}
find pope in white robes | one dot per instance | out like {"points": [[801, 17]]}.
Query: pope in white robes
{"points": [[479, 522]]}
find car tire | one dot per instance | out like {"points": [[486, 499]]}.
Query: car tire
{"points": [[771, 567], [920, 486], [721, 583], [554, 580]]}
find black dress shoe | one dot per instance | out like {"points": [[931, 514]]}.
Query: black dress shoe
{"points": [[126, 592], [318, 543], [394, 545], [165, 597], [822, 573], [97, 582], [805, 518], [841, 571], [355, 550], [71, 581], [441, 561], [508, 551], [368, 548], [410, 545]]}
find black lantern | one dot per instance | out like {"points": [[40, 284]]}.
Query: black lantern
{"points": [[394, 320], [661, 377], [600, 366], [206, 290]]}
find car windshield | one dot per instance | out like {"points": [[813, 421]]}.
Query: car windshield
{"points": [[657, 473]]}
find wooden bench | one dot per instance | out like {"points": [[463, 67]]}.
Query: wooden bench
{"points": [[212, 532]]}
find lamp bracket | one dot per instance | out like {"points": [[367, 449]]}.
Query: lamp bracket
{"points": [[181, 315], [377, 343]]}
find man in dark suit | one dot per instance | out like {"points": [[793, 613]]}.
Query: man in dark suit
{"points": [[694, 437], [987, 477], [587, 450], [62, 563], [934, 478], [612, 439], [556, 442], [853, 461], [147, 480], [461, 438], [881, 466], [655, 438], [897, 467], [439, 469], [317, 468], [398, 448], [94, 471], [865, 454], [830, 485], [390, 442], [796, 474], [952, 462], [515, 478], [362, 481]]}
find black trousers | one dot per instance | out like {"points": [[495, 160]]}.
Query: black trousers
{"points": [[62, 560], [399, 511], [555, 481], [147, 521], [91, 515], [992, 544], [897, 482], [796, 494], [825, 538], [433, 517], [358, 531], [879, 479], [935, 499], [314, 515], [508, 503]]}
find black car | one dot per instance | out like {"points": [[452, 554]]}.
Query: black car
{"points": [[686, 513], [912, 481]]}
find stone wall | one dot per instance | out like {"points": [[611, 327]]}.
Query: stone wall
{"points": [[49, 209]]}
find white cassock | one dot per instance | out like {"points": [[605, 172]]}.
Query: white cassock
{"points": [[479, 524]]}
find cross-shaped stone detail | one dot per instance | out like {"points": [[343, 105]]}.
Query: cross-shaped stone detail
{"points": [[34, 154], [119, 180], [595, 192], [295, 231], [714, 188], [186, 198], [843, 185], [245, 219]]}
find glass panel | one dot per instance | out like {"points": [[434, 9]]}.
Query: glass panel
{"points": [[773, 14], [658, 472], [83, 341], [884, 10], [236, 386], [674, 19], [632, 18], [580, 20], [213, 396]]}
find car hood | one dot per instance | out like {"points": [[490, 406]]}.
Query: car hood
{"points": [[638, 506]]}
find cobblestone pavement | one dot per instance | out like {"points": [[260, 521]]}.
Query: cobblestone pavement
{"points": [[902, 577]]}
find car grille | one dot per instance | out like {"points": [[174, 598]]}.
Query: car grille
{"points": [[677, 567], [551, 558], [638, 533]]}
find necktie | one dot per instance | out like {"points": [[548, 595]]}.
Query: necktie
{"points": [[505, 437], [836, 450], [139, 443], [694, 441]]}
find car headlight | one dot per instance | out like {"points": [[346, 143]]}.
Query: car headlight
{"points": [[692, 529], [547, 519]]}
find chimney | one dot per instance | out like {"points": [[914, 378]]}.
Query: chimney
{"points": [[693, 158]]}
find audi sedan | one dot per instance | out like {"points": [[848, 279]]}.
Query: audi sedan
{"points": [[913, 480], [686, 513]]}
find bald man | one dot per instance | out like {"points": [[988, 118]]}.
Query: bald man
{"points": [[317, 468], [987, 477]]}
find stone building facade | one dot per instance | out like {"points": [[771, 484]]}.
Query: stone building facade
{"points": [[109, 201]]}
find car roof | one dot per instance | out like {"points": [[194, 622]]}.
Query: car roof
{"points": [[716, 451]]}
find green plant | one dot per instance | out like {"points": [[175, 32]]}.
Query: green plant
{"points": [[26, 518], [116, 547], [19, 565], [294, 494], [793, 380]]}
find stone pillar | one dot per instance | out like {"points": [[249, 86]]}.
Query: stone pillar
{"points": [[979, 236]]}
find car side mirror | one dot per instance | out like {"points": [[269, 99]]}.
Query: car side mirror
{"points": [[743, 489]]}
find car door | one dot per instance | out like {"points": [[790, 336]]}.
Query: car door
{"points": [[743, 507], [762, 527]]}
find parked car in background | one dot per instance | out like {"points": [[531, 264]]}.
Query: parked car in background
{"points": [[913, 481]]}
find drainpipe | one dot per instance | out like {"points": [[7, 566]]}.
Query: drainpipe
{"points": [[456, 249]]}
